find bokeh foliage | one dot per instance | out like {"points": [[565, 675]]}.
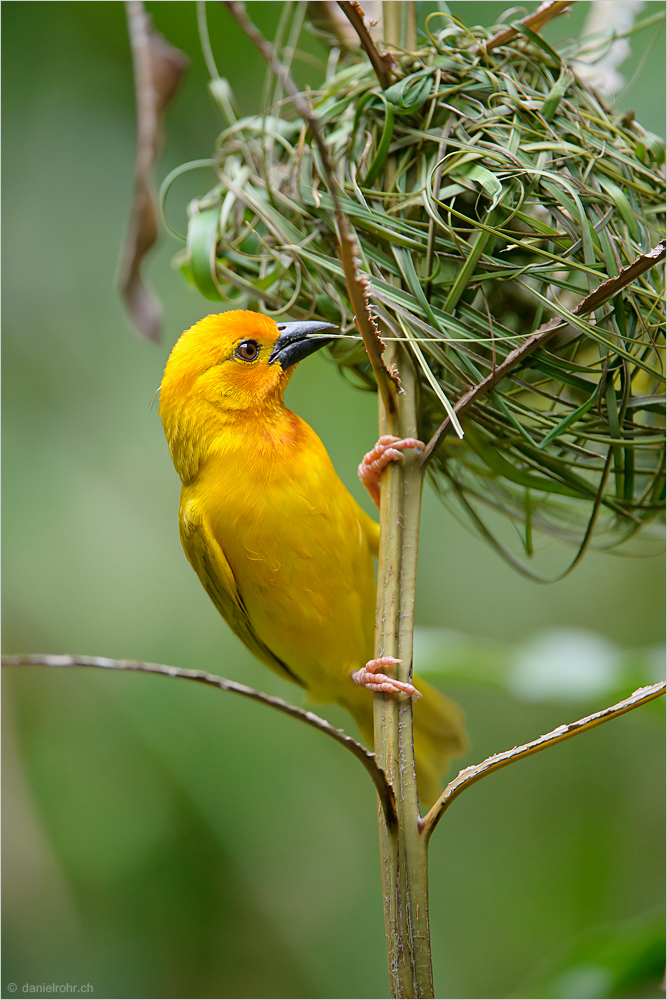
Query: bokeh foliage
{"points": [[163, 841]]}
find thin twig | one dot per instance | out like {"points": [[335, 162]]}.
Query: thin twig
{"points": [[383, 787], [470, 775], [545, 12], [592, 301], [382, 64], [609, 288], [357, 286]]}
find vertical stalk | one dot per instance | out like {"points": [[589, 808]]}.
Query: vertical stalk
{"points": [[414, 870], [385, 709], [403, 850]]}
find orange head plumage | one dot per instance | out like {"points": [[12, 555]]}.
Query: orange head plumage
{"points": [[226, 366]]}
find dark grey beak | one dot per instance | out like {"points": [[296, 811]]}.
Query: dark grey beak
{"points": [[296, 341]]}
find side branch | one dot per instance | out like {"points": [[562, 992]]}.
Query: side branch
{"points": [[378, 776], [589, 303], [382, 64], [545, 12], [358, 290], [612, 286], [470, 775]]}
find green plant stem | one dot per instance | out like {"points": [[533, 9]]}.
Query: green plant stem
{"points": [[385, 709], [414, 847], [403, 850]]}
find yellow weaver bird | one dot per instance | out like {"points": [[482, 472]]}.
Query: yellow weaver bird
{"points": [[283, 550]]}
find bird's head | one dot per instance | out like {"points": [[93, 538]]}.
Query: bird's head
{"points": [[235, 362]]}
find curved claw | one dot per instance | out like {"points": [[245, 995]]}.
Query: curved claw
{"points": [[387, 449], [370, 678]]}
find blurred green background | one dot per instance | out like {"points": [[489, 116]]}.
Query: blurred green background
{"points": [[163, 840]]}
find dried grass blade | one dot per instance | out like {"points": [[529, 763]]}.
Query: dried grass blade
{"points": [[432, 380]]}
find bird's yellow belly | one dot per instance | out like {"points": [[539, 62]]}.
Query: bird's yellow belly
{"points": [[299, 552]]}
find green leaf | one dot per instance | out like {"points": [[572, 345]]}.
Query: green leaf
{"points": [[536, 39], [570, 419], [498, 463], [590, 330], [615, 429], [479, 242], [202, 240], [383, 148], [258, 123], [410, 92], [556, 94], [483, 177], [573, 205], [223, 96], [650, 148], [622, 204]]}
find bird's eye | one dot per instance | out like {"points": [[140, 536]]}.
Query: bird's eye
{"points": [[247, 350]]}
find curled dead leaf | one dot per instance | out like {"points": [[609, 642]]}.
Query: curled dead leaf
{"points": [[158, 69]]}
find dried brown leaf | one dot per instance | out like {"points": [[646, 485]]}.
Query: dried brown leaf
{"points": [[158, 68]]}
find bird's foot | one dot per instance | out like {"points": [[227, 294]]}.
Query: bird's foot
{"points": [[369, 677], [388, 449]]}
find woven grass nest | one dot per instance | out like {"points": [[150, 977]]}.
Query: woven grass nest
{"points": [[490, 192]]}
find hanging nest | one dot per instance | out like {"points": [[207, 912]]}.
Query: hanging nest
{"points": [[490, 192]]}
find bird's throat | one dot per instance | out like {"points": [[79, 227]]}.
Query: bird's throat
{"points": [[234, 438]]}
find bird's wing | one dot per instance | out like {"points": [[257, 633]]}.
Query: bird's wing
{"points": [[209, 562], [372, 531]]}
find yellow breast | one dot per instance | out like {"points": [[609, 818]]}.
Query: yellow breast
{"points": [[299, 547]]}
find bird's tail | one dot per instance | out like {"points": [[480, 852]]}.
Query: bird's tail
{"points": [[439, 731], [440, 735]]}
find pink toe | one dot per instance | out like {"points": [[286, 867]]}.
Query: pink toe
{"points": [[388, 449], [368, 678], [381, 661]]}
